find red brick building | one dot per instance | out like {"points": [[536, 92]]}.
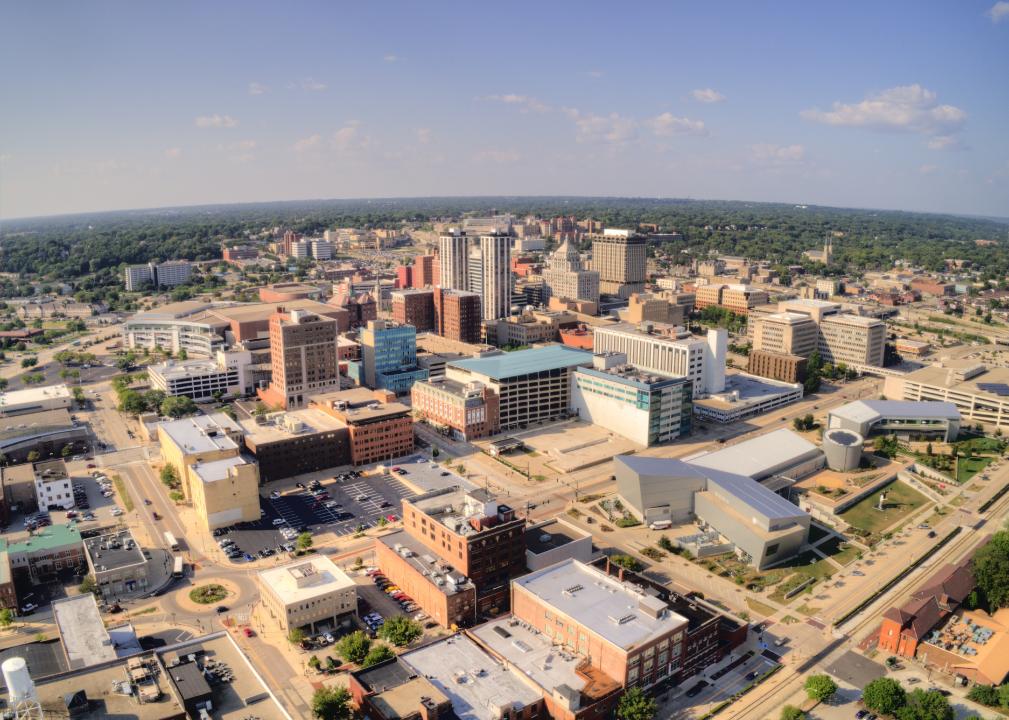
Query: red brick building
{"points": [[414, 307], [457, 315], [380, 428], [425, 271]]}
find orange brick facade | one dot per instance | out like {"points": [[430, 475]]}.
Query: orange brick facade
{"points": [[458, 609]]}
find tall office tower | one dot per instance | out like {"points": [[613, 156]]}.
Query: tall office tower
{"points": [[389, 354], [290, 237], [474, 267], [457, 315], [566, 276], [619, 258], [496, 281], [453, 253], [303, 358]]}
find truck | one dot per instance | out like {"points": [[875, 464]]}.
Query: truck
{"points": [[170, 541], [178, 567]]}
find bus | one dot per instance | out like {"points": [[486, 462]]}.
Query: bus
{"points": [[178, 568], [661, 524], [171, 541]]}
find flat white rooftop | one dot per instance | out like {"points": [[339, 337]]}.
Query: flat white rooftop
{"points": [[759, 457], [303, 580], [28, 396], [862, 411], [532, 653], [176, 369], [615, 611], [202, 433], [217, 469], [478, 685], [82, 631]]}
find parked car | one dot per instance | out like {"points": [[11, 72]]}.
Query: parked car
{"points": [[249, 632], [222, 609], [279, 521]]}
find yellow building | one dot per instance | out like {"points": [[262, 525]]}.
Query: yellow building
{"points": [[311, 592], [205, 451]]}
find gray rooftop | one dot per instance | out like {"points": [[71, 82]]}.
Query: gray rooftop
{"points": [[759, 457], [615, 611], [217, 469], [524, 362], [114, 550], [425, 561], [202, 433], [478, 685], [756, 497], [82, 631], [872, 410]]}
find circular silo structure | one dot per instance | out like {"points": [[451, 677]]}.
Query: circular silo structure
{"points": [[843, 449]]}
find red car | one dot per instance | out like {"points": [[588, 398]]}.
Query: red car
{"points": [[91, 466], [248, 632], [391, 518]]}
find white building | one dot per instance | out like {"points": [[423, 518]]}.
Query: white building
{"points": [[172, 328], [36, 399], [227, 373], [453, 252], [566, 276], [136, 276], [668, 350], [496, 282], [53, 485], [322, 249], [172, 272], [645, 408], [311, 592]]}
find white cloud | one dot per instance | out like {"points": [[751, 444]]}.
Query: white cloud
{"points": [[349, 137], [614, 129], [216, 121], [311, 85], [525, 102], [927, 169], [943, 142], [423, 135], [256, 88], [707, 95], [173, 153], [767, 154], [999, 11], [390, 58], [308, 143], [668, 124], [501, 157], [907, 108]]}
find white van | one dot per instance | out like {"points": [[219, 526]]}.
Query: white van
{"points": [[661, 525]]}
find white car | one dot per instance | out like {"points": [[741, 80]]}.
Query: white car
{"points": [[274, 495], [279, 521], [117, 511]]}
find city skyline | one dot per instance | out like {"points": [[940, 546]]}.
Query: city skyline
{"points": [[124, 107]]}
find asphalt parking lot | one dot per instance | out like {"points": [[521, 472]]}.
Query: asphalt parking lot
{"points": [[717, 690], [366, 498]]}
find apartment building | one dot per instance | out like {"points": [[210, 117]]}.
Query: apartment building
{"points": [[668, 350], [310, 593], [414, 307], [645, 408], [777, 366], [619, 258], [457, 315], [424, 271], [737, 298], [453, 260], [532, 385], [303, 358], [467, 411], [852, 339], [496, 276], [53, 485], [380, 428], [632, 637]]}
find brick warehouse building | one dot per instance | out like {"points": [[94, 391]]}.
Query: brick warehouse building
{"points": [[380, 428]]}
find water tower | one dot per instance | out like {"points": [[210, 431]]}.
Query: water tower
{"points": [[22, 697]]}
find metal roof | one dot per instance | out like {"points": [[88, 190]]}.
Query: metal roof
{"points": [[756, 497], [872, 410], [760, 456], [524, 362]]}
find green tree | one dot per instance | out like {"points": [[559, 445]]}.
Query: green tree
{"points": [[67, 451], [304, 541], [790, 712], [296, 636], [926, 705], [34, 456], [636, 705], [314, 662], [354, 646], [6, 617], [820, 687], [88, 585], [331, 703], [400, 630], [991, 569], [177, 407], [984, 694], [1003, 695], [132, 402], [884, 695], [626, 561], [378, 653], [169, 475], [29, 362]]}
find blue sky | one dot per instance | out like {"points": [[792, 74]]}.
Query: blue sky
{"points": [[113, 105]]}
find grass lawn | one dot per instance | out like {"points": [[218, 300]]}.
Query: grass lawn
{"points": [[124, 496], [967, 468], [759, 607], [901, 501], [801, 568]]}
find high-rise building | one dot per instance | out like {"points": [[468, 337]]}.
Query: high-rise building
{"points": [[737, 298], [852, 339], [166, 274], [414, 307], [619, 258], [322, 249], [389, 354], [496, 276], [457, 315], [566, 276], [786, 333], [303, 358], [453, 253]]}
